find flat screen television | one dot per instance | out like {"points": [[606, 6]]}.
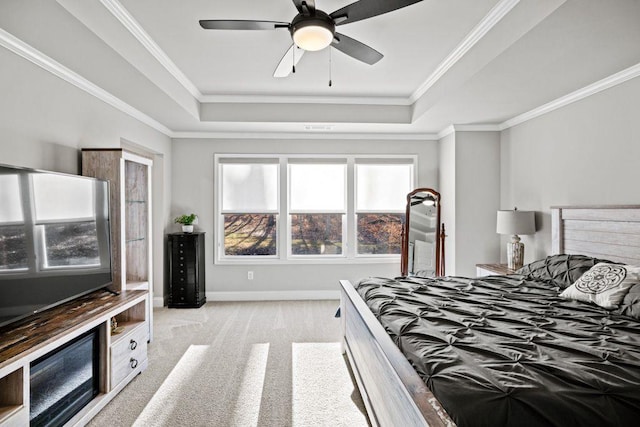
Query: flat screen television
{"points": [[54, 239]]}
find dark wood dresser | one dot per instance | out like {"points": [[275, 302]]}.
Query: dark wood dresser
{"points": [[186, 270]]}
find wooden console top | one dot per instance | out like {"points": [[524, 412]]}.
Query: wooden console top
{"points": [[25, 336]]}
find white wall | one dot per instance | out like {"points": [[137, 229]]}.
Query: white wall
{"points": [[193, 191], [585, 153], [45, 121]]}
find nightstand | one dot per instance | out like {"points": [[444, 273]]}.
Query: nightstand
{"points": [[493, 270]]}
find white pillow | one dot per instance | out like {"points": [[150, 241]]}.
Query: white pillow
{"points": [[604, 284]]}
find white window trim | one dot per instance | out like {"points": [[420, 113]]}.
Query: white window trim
{"points": [[283, 257], [289, 211], [354, 236]]}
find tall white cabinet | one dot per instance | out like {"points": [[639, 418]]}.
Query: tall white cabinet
{"points": [[129, 177]]}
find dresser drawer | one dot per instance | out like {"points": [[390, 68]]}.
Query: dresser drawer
{"points": [[186, 270], [128, 354]]}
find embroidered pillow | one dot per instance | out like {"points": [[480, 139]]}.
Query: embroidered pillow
{"points": [[604, 284], [560, 270]]}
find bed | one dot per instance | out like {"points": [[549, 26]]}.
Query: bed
{"points": [[504, 350]]}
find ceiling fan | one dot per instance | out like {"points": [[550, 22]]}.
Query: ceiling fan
{"points": [[312, 29]]}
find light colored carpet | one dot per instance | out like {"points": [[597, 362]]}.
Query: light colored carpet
{"points": [[271, 363]]}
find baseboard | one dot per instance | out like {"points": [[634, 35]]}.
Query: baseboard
{"points": [[158, 301], [273, 295]]}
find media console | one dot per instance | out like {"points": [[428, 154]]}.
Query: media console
{"points": [[63, 334]]}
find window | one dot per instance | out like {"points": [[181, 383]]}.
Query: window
{"points": [[317, 206], [292, 207], [381, 190], [249, 207]]}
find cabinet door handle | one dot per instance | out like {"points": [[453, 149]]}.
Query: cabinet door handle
{"points": [[133, 344], [133, 362]]}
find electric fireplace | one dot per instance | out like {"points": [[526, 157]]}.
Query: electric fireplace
{"points": [[65, 380]]}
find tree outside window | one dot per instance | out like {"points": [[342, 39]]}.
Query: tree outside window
{"points": [[323, 204]]}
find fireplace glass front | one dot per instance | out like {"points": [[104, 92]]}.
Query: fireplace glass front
{"points": [[64, 381]]}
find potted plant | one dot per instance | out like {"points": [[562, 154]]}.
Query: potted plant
{"points": [[187, 222]]}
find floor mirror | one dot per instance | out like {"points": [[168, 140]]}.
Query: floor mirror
{"points": [[421, 235]]}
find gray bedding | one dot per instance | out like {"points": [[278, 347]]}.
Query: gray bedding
{"points": [[507, 350]]}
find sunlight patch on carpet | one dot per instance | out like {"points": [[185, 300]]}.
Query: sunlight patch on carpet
{"points": [[247, 409], [159, 409], [322, 387]]}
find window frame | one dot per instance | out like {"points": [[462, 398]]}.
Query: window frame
{"points": [[219, 214], [412, 185], [283, 216], [290, 211]]}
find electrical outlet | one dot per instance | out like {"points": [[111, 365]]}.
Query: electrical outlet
{"points": [[250, 275]]}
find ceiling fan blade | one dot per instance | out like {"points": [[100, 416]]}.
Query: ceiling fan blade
{"points": [[230, 24], [286, 63], [364, 9], [310, 6], [356, 49]]}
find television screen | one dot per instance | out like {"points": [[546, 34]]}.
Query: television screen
{"points": [[54, 239]]}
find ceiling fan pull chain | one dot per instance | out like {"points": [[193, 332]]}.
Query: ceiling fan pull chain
{"points": [[329, 66], [294, 58]]}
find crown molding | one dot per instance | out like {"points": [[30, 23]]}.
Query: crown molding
{"points": [[592, 89], [485, 127], [468, 128], [303, 99], [494, 16], [606, 83], [446, 131], [28, 52], [130, 23], [307, 135]]}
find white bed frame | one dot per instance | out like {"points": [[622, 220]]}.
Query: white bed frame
{"points": [[393, 393]]}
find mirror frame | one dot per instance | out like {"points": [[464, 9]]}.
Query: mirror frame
{"points": [[404, 259]]}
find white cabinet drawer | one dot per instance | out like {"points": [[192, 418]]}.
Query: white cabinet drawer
{"points": [[128, 354]]}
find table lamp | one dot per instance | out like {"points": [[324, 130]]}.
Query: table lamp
{"points": [[515, 222]]}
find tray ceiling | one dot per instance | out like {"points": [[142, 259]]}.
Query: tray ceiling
{"points": [[462, 62]]}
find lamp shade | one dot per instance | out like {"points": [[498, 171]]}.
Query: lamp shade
{"points": [[516, 222]]}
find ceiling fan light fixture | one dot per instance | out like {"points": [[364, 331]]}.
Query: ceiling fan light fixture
{"points": [[313, 32], [312, 37]]}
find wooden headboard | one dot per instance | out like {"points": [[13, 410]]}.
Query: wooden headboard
{"points": [[609, 232]]}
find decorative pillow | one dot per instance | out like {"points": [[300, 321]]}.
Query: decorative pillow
{"points": [[630, 305], [560, 270], [605, 284]]}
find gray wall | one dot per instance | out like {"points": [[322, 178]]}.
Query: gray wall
{"points": [[45, 121], [447, 169], [585, 153], [193, 191], [470, 182], [477, 200]]}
